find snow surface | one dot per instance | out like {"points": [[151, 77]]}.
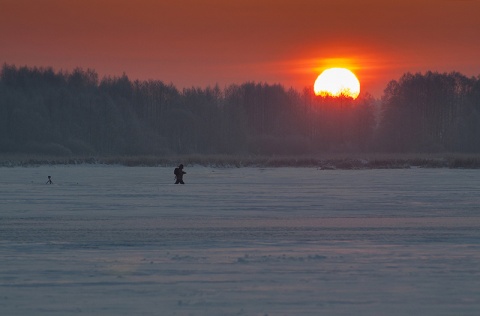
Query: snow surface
{"points": [[111, 240]]}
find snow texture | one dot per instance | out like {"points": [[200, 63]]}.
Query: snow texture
{"points": [[111, 240]]}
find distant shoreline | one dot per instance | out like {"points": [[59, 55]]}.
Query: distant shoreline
{"points": [[325, 161]]}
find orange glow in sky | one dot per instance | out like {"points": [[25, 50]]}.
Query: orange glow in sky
{"points": [[200, 43]]}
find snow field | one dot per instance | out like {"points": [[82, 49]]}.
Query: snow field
{"points": [[285, 241]]}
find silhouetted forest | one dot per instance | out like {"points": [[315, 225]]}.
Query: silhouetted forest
{"points": [[76, 113]]}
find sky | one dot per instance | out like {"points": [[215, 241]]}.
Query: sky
{"points": [[199, 43]]}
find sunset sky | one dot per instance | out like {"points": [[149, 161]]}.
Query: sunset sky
{"points": [[205, 42]]}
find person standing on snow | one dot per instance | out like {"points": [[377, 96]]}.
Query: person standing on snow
{"points": [[179, 174]]}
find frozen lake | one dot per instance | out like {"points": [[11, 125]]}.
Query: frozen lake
{"points": [[110, 240]]}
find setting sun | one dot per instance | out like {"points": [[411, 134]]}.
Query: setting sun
{"points": [[337, 82]]}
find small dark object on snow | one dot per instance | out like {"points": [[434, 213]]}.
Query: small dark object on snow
{"points": [[178, 172]]}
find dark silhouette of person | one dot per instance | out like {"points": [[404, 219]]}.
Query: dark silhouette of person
{"points": [[49, 180], [179, 174]]}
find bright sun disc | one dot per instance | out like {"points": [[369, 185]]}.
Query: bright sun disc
{"points": [[337, 82]]}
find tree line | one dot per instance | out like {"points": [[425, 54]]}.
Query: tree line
{"points": [[77, 113]]}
